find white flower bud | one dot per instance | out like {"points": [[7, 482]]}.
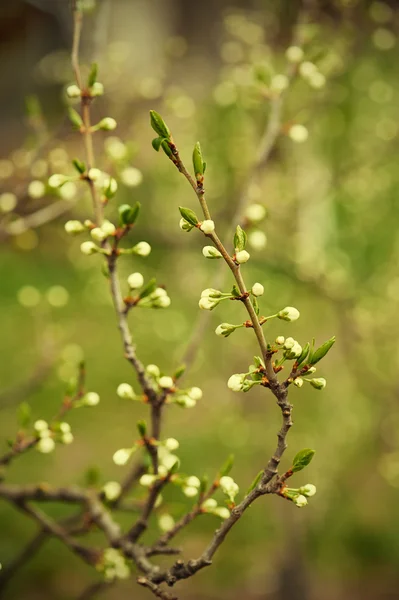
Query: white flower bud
{"points": [[193, 481], [289, 343], [57, 180], [255, 213], [211, 252], [147, 480], [168, 461], [171, 444], [185, 225], [195, 393], [94, 174], [185, 401], [298, 133], [294, 54], [97, 234], [142, 249], [91, 399], [166, 382], [300, 501], [211, 293], [65, 427], [108, 228], [46, 445], [153, 370], [279, 83], [36, 189], [236, 382], [88, 248], [258, 289], [73, 91], [229, 486], [319, 383], [67, 438], [207, 303], [122, 456], [307, 69], [125, 391], [131, 177], [135, 281], [257, 240], [107, 124], [166, 522], [112, 490], [298, 382], [163, 302], [209, 504], [190, 492], [207, 226], [280, 340], [225, 329], [74, 227], [109, 185], [294, 352], [40, 425], [242, 256], [308, 490], [97, 89], [222, 512], [311, 371], [289, 313]]}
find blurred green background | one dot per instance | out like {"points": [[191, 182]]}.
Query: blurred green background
{"points": [[332, 251]]}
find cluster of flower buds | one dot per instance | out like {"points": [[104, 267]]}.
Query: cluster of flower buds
{"points": [[48, 435], [299, 496], [229, 487], [210, 298], [113, 565], [210, 506]]}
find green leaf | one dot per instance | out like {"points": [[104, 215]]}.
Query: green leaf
{"points": [[75, 117], [254, 483], [159, 125], [204, 484], [179, 372], [303, 355], [175, 467], [240, 239], [236, 292], [255, 305], [148, 288], [24, 414], [166, 148], [189, 215], [142, 428], [258, 361], [79, 165], [322, 351], [128, 214], [302, 459], [92, 75], [228, 465], [198, 163], [156, 143]]}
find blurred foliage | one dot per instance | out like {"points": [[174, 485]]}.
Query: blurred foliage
{"points": [[332, 251]]}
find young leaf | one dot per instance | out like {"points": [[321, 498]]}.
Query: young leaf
{"points": [[303, 355], [179, 372], [128, 214], [92, 75], [204, 484], [79, 165], [254, 483], [75, 117], [166, 148], [302, 459], [159, 125], [142, 428], [198, 163], [228, 465], [235, 291], [156, 143], [24, 414], [322, 351], [258, 362], [189, 215], [255, 305], [240, 239], [149, 288]]}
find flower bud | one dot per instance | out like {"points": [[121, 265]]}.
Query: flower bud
{"points": [[67, 438], [46, 445], [222, 512], [97, 234], [319, 383], [91, 399], [171, 444], [166, 522], [108, 228], [298, 382], [298, 133], [258, 289], [135, 281], [73, 91], [185, 225], [40, 425], [236, 381], [211, 293], [107, 124], [190, 491], [308, 490], [94, 174], [211, 252], [311, 370], [125, 391], [109, 187], [255, 213], [57, 180], [280, 340], [153, 370], [64, 427], [210, 503], [122, 456], [195, 393], [88, 248], [193, 481], [97, 89], [142, 249], [225, 329], [294, 54], [207, 303], [74, 227], [185, 401], [147, 479], [166, 382], [289, 313], [207, 226], [112, 490], [294, 352], [300, 501], [242, 256], [289, 343]]}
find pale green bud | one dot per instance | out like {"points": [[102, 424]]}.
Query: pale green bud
{"points": [[308, 490], [171, 444], [135, 281], [112, 490], [73, 91], [89, 248], [289, 313], [57, 180], [122, 456], [298, 382], [236, 382], [147, 480], [225, 329], [318, 383], [107, 124], [91, 399], [166, 382], [46, 445], [98, 234], [242, 256], [258, 289], [142, 249], [190, 492], [125, 391], [195, 393], [280, 340], [207, 226], [97, 89], [300, 501], [211, 252], [153, 370], [74, 227], [108, 228]]}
